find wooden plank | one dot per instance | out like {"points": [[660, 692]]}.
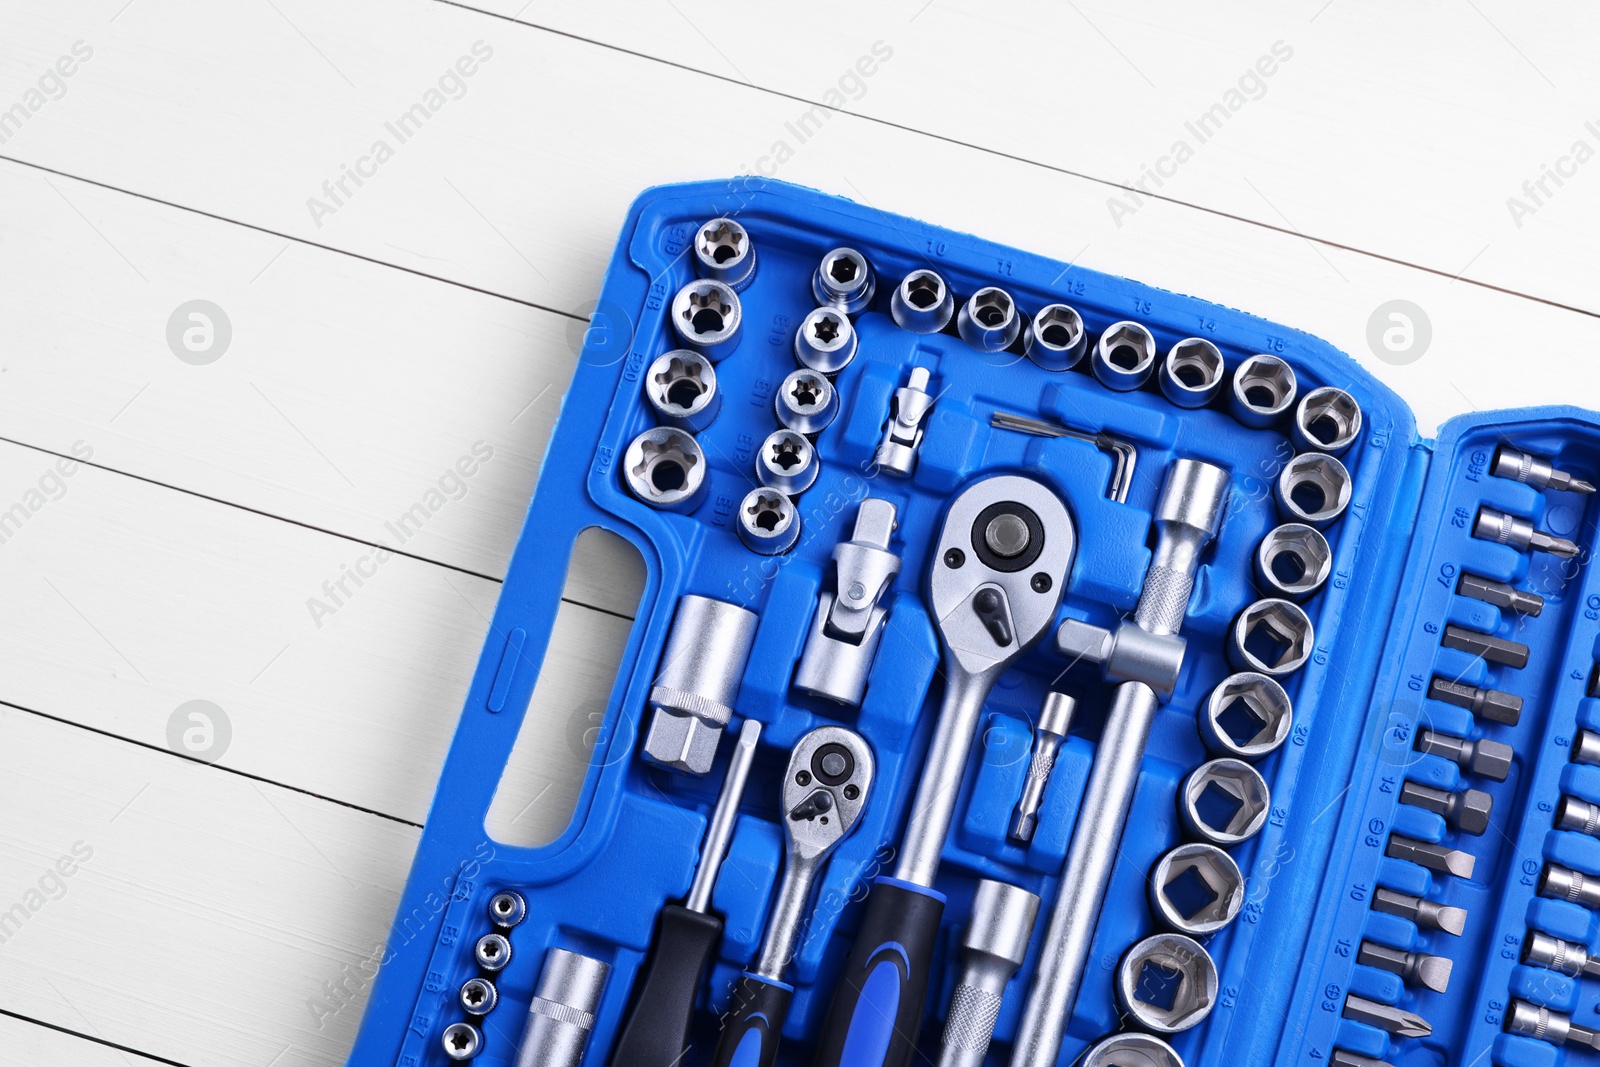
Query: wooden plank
{"points": [[206, 916]]}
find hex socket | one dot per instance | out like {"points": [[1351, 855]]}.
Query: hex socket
{"points": [[1055, 339], [1124, 356], [989, 320], [922, 303], [1326, 420], [1314, 489], [845, 280], [1263, 389], [1192, 373]]}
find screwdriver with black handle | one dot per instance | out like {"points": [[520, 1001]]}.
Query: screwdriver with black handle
{"points": [[656, 1033]]}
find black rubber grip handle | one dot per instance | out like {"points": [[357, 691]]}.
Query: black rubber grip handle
{"points": [[657, 1031], [754, 1025], [876, 1011]]}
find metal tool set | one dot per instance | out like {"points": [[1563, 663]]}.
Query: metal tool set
{"points": [[1034, 668]]}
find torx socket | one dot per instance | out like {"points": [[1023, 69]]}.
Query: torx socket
{"points": [[1566, 957], [1468, 810], [1579, 815], [1563, 883], [1487, 647], [1489, 759], [1415, 968], [1434, 857], [1489, 704], [1500, 594], [1551, 1026], [1519, 533], [1425, 913], [1533, 470], [1397, 1022]]}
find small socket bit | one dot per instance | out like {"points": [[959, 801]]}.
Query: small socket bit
{"points": [[1500, 595], [1425, 913], [1566, 957], [1490, 759], [1434, 857], [1397, 1022], [1532, 470], [1344, 1058], [1519, 533], [1579, 815], [1489, 704], [1563, 883], [1416, 968], [1551, 1026], [1485, 646], [1468, 810], [1586, 749], [1055, 716]]}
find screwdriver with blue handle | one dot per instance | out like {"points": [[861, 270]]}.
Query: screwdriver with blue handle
{"points": [[826, 786], [995, 582]]}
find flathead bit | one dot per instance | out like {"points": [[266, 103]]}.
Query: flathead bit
{"points": [[1489, 704], [1416, 968], [1425, 913], [1487, 647], [1468, 810], [1434, 857], [1564, 957], [1397, 1022], [1551, 1026], [1519, 533], [1532, 470], [1500, 594], [1343, 1058]]}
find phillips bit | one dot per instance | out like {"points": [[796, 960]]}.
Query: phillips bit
{"points": [[1586, 749], [1519, 533], [1425, 913], [1491, 759], [1489, 704], [1500, 595], [1434, 857], [1563, 883], [1468, 810], [1485, 646], [1551, 1026], [1565, 957], [1344, 1058], [1579, 815], [1417, 968], [1531, 470], [1055, 716], [1396, 1022]]}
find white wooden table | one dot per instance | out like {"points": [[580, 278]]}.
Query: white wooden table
{"points": [[168, 525]]}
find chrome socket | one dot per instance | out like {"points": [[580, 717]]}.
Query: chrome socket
{"points": [[806, 402], [825, 341], [989, 320], [706, 314], [1056, 339], [461, 1041], [723, 253], [1314, 489], [1148, 974], [507, 908], [1293, 561], [666, 469], [1272, 637], [787, 462], [844, 280], [1247, 716], [768, 522], [1224, 801], [1192, 373], [922, 303], [994, 947], [1124, 356], [1263, 389], [563, 1009], [1326, 420], [493, 952], [697, 682], [478, 996], [1196, 889], [1564, 883], [1131, 1050], [682, 388]]}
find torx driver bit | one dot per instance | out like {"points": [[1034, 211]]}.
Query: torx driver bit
{"points": [[1519, 533], [1551, 1026], [1519, 466], [1396, 1022], [1416, 968], [1485, 646], [1500, 594], [1468, 810], [1434, 857], [1563, 883], [1489, 704], [1425, 913], [1491, 759], [1566, 957]]}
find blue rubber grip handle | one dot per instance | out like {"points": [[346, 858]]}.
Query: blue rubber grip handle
{"points": [[877, 1008], [754, 1024]]}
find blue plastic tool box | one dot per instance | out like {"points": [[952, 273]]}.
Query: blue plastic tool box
{"points": [[1291, 959]]}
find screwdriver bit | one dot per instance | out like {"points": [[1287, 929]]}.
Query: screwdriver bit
{"points": [[1563, 883], [1500, 595], [1579, 815], [1489, 704], [1416, 968], [1519, 466], [1397, 1022], [1586, 749], [1490, 759], [1343, 1058], [1565, 957], [1551, 1026], [1485, 646], [1425, 913], [1519, 533], [1434, 857], [1468, 810]]}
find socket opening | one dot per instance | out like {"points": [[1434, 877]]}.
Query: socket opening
{"points": [[844, 269], [721, 241], [681, 382], [807, 391], [1295, 560], [1195, 363], [1329, 418], [1314, 488], [1265, 384], [1059, 326], [992, 307], [1128, 346], [1225, 801], [825, 328], [1197, 888], [924, 290]]}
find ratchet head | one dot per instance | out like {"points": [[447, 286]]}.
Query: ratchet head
{"points": [[998, 571], [830, 774]]}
